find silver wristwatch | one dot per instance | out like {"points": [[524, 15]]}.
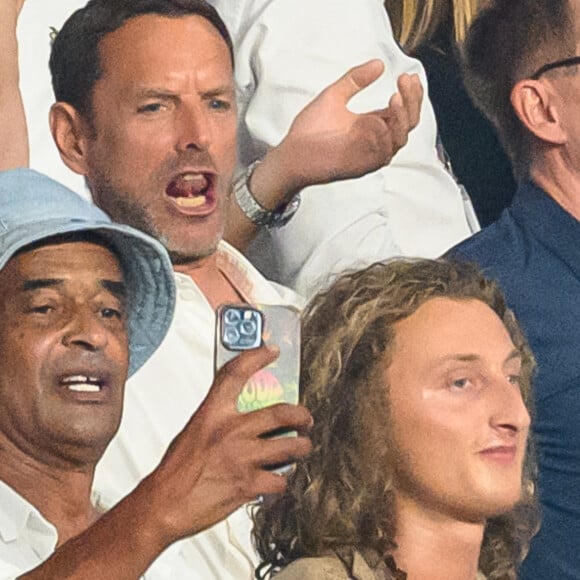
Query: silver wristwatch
{"points": [[254, 211]]}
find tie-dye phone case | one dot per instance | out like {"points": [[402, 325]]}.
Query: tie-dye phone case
{"points": [[242, 327]]}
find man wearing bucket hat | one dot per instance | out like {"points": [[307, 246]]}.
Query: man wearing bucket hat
{"points": [[83, 301]]}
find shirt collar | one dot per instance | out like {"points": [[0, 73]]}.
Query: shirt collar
{"points": [[19, 517], [237, 270], [551, 224], [243, 276]]}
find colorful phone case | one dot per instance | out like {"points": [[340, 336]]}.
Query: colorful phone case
{"points": [[278, 382]]}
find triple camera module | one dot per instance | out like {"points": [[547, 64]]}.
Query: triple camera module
{"points": [[241, 328]]}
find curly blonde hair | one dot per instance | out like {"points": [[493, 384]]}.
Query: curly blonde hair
{"points": [[340, 498]]}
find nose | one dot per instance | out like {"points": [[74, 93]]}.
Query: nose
{"points": [[193, 128], [85, 330], [509, 413]]}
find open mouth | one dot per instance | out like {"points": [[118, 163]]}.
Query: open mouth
{"points": [[82, 383], [192, 190]]}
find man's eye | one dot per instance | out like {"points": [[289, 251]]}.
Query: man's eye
{"points": [[220, 104], [150, 108], [42, 309], [111, 313], [461, 383], [515, 379]]}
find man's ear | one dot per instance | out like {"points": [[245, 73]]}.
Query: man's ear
{"points": [[70, 133], [535, 106]]}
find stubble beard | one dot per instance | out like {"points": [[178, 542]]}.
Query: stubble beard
{"points": [[124, 210]]}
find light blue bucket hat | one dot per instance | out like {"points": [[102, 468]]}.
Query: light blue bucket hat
{"points": [[34, 207]]}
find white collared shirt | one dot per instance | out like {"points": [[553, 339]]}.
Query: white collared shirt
{"points": [[161, 398], [27, 539]]}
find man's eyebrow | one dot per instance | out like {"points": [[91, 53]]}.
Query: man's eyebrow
{"points": [[515, 353], [458, 357], [164, 94], [219, 92], [115, 287], [39, 283], [469, 357], [154, 93]]}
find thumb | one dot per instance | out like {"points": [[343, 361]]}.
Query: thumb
{"points": [[232, 377], [357, 78]]}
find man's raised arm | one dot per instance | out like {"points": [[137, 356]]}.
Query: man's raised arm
{"points": [[13, 132], [327, 142]]}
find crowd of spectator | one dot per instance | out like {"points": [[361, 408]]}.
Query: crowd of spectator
{"points": [[160, 158]]}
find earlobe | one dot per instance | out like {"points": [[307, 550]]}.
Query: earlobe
{"points": [[535, 107], [69, 133]]}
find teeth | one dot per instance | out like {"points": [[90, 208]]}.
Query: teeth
{"points": [[190, 201], [80, 379], [82, 383], [84, 387]]}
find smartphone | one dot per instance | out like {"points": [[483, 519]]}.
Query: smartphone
{"points": [[242, 327]]}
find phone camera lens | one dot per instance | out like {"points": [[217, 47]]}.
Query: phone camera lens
{"points": [[232, 316], [231, 336], [248, 327]]}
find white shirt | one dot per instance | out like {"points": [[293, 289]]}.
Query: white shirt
{"points": [[162, 396], [27, 539], [286, 52]]}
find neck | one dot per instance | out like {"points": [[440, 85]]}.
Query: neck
{"points": [[560, 179], [210, 279], [433, 546], [61, 494]]}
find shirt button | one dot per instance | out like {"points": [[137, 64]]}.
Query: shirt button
{"points": [[187, 295]]}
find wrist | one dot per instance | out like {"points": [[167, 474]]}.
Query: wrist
{"points": [[264, 195], [158, 521], [272, 182]]}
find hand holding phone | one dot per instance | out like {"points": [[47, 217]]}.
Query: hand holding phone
{"points": [[242, 327]]}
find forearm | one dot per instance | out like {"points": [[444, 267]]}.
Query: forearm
{"points": [[13, 131]]}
